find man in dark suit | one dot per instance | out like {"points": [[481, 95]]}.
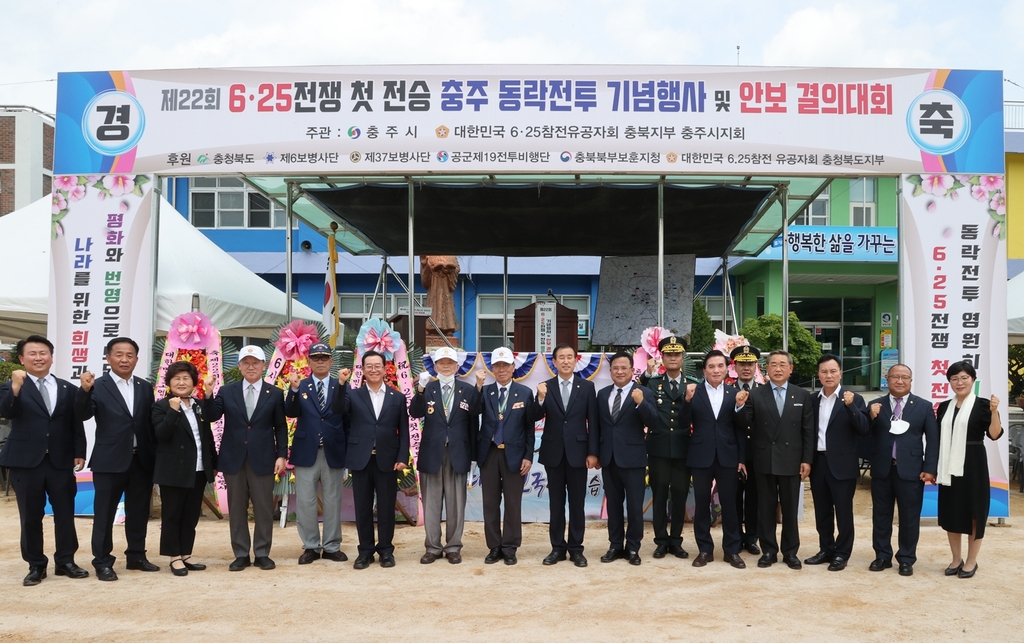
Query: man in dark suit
{"points": [[318, 454], [744, 360], [505, 454], [44, 449], [377, 425], [122, 457], [667, 443], [624, 409], [782, 429], [253, 449], [900, 467], [838, 420], [716, 456], [568, 447], [450, 411]]}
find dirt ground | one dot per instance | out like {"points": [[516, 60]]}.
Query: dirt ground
{"points": [[664, 599]]}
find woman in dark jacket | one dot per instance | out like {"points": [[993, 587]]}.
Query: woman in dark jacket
{"points": [[185, 462]]}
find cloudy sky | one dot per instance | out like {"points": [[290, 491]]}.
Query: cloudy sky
{"points": [[43, 37]]}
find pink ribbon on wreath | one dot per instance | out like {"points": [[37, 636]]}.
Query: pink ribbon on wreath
{"points": [[295, 339], [383, 343], [190, 330]]}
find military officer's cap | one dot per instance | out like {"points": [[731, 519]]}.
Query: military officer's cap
{"points": [[745, 354], [672, 344]]}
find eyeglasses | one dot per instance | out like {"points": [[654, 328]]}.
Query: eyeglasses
{"points": [[959, 379], [320, 358], [372, 367], [899, 377]]}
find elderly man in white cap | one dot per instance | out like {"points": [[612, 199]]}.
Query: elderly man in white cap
{"points": [[450, 411], [505, 454], [253, 449]]}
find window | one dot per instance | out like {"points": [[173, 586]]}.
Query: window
{"points": [[816, 212], [713, 305], [354, 309], [862, 202], [491, 333], [228, 202]]}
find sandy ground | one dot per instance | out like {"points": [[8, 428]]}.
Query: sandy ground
{"points": [[664, 599]]}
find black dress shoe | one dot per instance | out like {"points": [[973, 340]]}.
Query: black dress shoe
{"points": [[308, 556], [735, 561], [767, 560], [838, 564], [752, 549], [678, 551], [106, 573], [613, 554], [634, 558], [454, 557], [427, 558], [953, 571], [141, 566], [578, 559], [703, 558], [264, 562], [493, 556], [362, 562], [192, 567], [337, 556], [906, 569], [239, 564], [879, 564], [510, 559], [36, 574], [387, 560], [820, 558], [660, 551], [963, 572], [792, 562], [554, 557], [179, 571], [70, 570]]}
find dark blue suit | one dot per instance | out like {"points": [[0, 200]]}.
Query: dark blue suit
{"points": [[375, 446], [500, 464], [717, 447], [623, 455], [40, 452], [117, 466], [917, 451], [313, 424], [834, 474], [570, 435]]}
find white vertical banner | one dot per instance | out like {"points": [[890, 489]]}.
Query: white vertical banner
{"points": [[101, 284], [545, 317], [953, 302]]}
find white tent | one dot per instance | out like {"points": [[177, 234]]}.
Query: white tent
{"points": [[237, 301], [1015, 309]]}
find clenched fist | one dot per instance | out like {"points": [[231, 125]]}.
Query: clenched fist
{"points": [[87, 379], [542, 391], [638, 396], [175, 403], [17, 379], [848, 398], [208, 386], [993, 403], [293, 381], [741, 398], [691, 388], [876, 408], [481, 376], [344, 374], [651, 365]]}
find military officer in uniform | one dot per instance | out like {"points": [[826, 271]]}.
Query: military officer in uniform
{"points": [[744, 360], [667, 444]]}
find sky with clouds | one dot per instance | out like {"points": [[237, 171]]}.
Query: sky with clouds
{"points": [[43, 37]]}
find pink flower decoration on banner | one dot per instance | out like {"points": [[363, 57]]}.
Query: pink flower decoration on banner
{"points": [[998, 203], [936, 184], [979, 193], [650, 339], [990, 182], [119, 184], [191, 331], [380, 341], [77, 193], [59, 203], [65, 182], [295, 339]]}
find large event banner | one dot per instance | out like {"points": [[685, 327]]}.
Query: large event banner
{"points": [[953, 300], [538, 118]]}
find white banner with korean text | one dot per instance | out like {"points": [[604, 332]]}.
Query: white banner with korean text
{"points": [[953, 300]]}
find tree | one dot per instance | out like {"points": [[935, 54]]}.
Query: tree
{"points": [[702, 333], [765, 332]]}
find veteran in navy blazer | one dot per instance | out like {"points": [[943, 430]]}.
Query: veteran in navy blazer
{"points": [[122, 455], [253, 449], [450, 413], [717, 455], [505, 454], [318, 454], [901, 464], [624, 409], [839, 420], [568, 447], [377, 431], [44, 449]]}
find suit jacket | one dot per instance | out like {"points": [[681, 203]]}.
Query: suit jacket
{"points": [[521, 415], [572, 430], [389, 432], [623, 437], [458, 430], [912, 456], [262, 439], [844, 425], [670, 436], [117, 429], [747, 439], [175, 463], [34, 430], [781, 444], [724, 436], [312, 422]]}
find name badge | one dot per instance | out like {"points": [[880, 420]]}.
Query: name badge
{"points": [[464, 405], [898, 427]]}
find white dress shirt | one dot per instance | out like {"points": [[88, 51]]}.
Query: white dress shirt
{"points": [[377, 398], [50, 382], [190, 415], [626, 397], [715, 396], [825, 405]]}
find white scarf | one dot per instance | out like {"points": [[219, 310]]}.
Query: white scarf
{"points": [[953, 439]]}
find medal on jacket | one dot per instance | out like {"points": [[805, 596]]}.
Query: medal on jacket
{"points": [[430, 407], [501, 408]]}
